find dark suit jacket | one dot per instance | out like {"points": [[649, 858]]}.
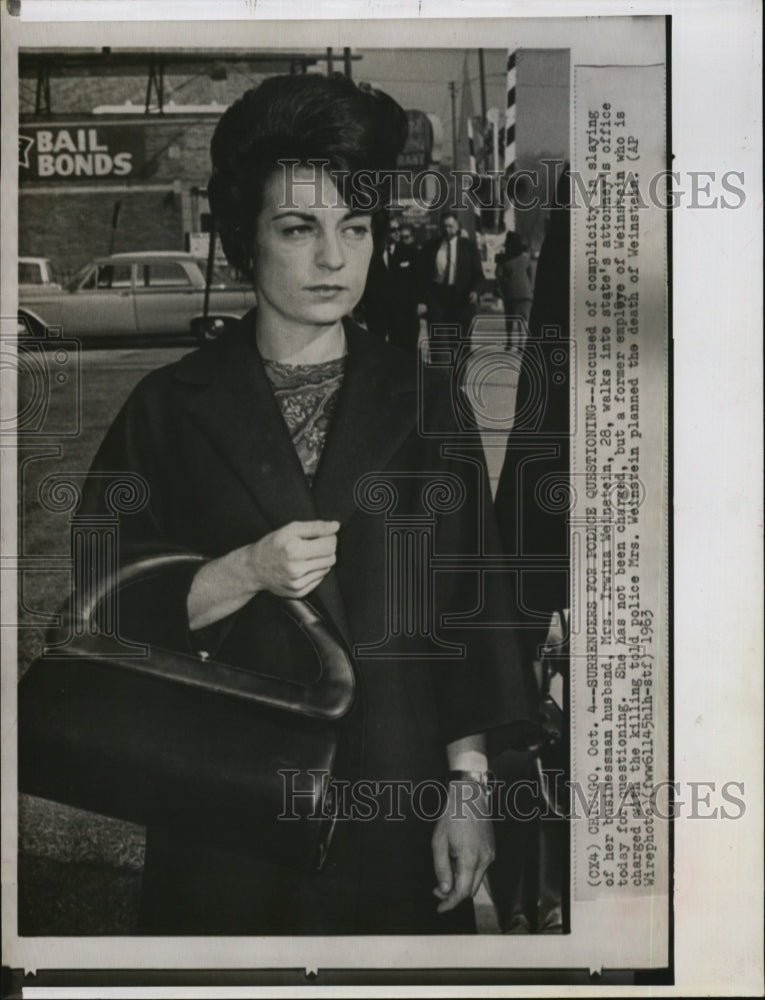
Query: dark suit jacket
{"points": [[391, 292], [469, 275], [403, 268], [208, 436]]}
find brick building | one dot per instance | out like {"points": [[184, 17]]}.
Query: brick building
{"points": [[139, 184]]}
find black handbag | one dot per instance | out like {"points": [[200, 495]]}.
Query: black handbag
{"points": [[236, 749]]}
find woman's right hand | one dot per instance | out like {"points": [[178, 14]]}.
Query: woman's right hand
{"points": [[293, 560], [289, 562]]}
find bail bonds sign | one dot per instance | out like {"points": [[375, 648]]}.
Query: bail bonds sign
{"points": [[52, 152]]}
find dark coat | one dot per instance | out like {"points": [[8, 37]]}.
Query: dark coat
{"points": [[514, 278], [207, 435], [389, 304], [402, 266], [542, 422]]}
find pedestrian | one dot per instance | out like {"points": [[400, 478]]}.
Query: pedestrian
{"points": [[513, 275], [389, 304], [253, 450], [451, 278], [401, 261], [407, 237]]}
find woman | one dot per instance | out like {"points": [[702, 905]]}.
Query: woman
{"points": [[255, 450], [513, 276]]}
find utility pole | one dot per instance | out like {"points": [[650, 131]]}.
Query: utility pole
{"points": [[347, 62], [329, 62], [482, 75], [452, 92]]}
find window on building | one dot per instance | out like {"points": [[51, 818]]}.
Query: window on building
{"points": [[165, 275]]}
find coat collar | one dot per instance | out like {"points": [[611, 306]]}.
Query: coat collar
{"points": [[236, 408]]}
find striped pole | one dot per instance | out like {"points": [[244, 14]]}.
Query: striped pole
{"points": [[510, 133], [472, 160], [496, 216]]}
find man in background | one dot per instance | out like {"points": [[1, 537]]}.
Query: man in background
{"points": [[407, 237], [401, 260], [451, 277], [390, 298]]}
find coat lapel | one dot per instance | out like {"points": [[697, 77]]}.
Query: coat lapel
{"points": [[239, 412], [375, 413]]}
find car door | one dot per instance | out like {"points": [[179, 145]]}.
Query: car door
{"points": [[166, 297], [102, 304], [230, 294], [232, 301]]}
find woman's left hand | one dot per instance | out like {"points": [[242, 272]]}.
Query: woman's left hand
{"points": [[463, 845]]}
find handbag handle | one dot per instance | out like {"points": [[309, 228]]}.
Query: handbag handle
{"points": [[328, 697]]}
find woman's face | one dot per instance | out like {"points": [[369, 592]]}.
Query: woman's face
{"points": [[311, 253]]}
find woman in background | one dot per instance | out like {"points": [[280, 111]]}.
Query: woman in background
{"points": [[513, 276]]}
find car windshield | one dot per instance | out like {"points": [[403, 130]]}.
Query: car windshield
{"points": [[74, 283]]}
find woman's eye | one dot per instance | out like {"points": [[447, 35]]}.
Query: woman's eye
{"points": [[300, 230], [357, 232]]}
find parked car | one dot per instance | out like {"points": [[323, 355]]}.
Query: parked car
{"points": [[152, 295], [36, 277]]}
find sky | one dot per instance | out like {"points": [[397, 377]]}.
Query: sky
{"points": [[419, 79]]}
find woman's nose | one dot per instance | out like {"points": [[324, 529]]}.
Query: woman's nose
{"points": [[330, 252]]}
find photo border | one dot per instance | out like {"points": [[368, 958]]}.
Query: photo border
{"points": [[547, 977]]}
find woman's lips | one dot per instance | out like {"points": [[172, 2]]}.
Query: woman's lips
{"points": [[326, 291]]}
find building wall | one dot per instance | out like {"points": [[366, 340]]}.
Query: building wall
{"points": [[71, 229], [70, 220], [543, 95], [543, 92], [76, 94]]}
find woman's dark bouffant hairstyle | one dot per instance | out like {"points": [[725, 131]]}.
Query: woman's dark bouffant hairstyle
{"points": [[305, 118]]}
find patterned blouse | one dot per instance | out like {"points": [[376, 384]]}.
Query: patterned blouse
{"points": [[307, 396]]}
